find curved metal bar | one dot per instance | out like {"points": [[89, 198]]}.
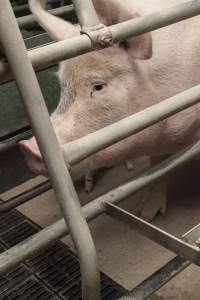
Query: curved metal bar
{"points": [[23, 72], [50, 234]]}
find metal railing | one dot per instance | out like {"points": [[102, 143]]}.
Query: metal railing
{"points": [[19, 65], [27, 83]]}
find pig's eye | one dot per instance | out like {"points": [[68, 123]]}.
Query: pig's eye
{"points": [[98, 87]]}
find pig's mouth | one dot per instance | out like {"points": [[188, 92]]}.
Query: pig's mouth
{"points": [[33, 157]]}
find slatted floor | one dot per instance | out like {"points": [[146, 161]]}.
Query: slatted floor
{"points": [[52, 274]]}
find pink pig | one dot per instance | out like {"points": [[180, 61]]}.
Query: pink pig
{"points": [[100, 88]]}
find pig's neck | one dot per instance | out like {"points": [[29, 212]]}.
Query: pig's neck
{"points": [[145, 95], [145, 91]]}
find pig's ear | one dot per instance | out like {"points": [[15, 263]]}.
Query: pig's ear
{"points": [[139, 47], [32, 154], [57, 28]]}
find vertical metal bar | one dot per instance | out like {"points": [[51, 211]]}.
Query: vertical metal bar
{"points": [[23, 72], [86, 14]]}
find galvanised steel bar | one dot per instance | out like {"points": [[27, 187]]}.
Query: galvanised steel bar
{"points": [[87, 15], [30, 21], [51, 54], [25, 196], [158, 279], [50, 234], [94, 142], [23, 72]]}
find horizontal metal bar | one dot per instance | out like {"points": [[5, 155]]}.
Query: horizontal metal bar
{"points": [[8, 143], [21, 8], [155, 20], [37, 112], [158, 279], [25, 196], [51, 54], [154, 233], [29, 21], [47, 236], [83, 147]]}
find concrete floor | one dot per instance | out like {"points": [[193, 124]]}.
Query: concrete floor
{"points": [[123, 254]]}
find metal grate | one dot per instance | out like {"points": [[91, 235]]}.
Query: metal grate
{"points": [[53, 274]]}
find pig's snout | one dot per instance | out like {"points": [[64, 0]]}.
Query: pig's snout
{"points": [[32, 155]]}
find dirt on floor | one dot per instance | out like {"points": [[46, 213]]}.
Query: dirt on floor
{"points": [[123, 254]]}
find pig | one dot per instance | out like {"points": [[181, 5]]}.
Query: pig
{"points": [[102, 87]]}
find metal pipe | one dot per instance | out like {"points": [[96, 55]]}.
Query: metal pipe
{"points": [[13, 256], [155, 20], [27, 83], [81, 148], [48, 55], [30, 21], [57, 230], [86, 14], [11, 142], [21, 8], [25, 196], [94, 142]]}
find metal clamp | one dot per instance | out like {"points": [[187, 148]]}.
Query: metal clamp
{"points": [[100, 36]]}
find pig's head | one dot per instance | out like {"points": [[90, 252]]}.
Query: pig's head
{"points": [[97, 89]]}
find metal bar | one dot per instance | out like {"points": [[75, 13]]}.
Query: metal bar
{"points": [[155, 20], [51, 54], [11, 142], [158, 279], [25, 196], [20, 64], [154, 233], [30, 21], [86, 14], [50, 234], [21, 8], [94, 142]]}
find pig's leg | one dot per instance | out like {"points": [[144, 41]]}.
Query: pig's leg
{"points": [[155, 198], [89, 182]]}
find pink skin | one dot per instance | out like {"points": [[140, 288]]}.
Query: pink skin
{"points": [[100, 88]]}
